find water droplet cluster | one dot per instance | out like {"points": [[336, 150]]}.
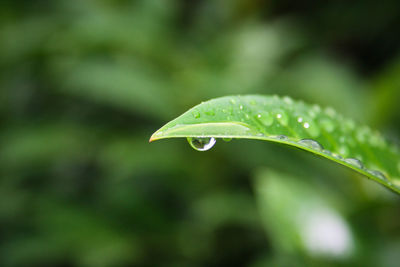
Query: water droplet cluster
{"points": [[294, 122]]}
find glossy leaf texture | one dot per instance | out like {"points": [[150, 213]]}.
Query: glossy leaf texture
{"points": [[321, 131]]}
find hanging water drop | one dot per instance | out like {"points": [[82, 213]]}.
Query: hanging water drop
{"points": [[377, 174], [227, 139], [355, 162], [201, 144], [311, 144]]}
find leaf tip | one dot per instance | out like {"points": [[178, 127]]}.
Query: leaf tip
{"points": [[155, 136], [152, 138]]}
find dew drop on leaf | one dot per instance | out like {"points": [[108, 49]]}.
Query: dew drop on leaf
{"points": [[311, 144], [282, 117], [355, 163], [337, 156], [377, 174], [202, 144], [282, 137]]}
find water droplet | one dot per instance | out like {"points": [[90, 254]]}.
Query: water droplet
{"points": [[233, 101], [337, 156], [328, 125], [265, 118], [327, 152], [227, 139], [355, 162], [282, 137], [311, 144], [196, 114], [300, 119], [202, 144], [378, 174], [306, 125], [241, 107], [282, 117]]}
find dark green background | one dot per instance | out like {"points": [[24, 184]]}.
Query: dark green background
{"points": [[83, 85]]}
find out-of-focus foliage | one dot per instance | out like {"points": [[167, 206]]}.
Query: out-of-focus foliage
{"points": [[85, 83]]}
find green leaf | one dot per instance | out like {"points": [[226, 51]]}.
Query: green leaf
{"points": [[283, 120]]}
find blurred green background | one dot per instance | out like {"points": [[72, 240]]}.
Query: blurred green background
{"points": [[85, 83]]}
